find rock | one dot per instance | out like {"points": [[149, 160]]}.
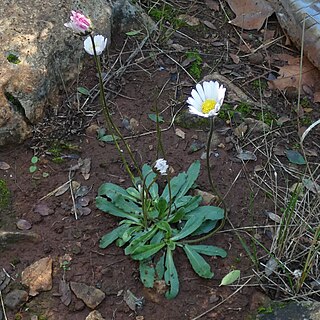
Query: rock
{"points": [[38, 276], [94, 315], [207, 197], [307, 310], [15, 299], [33, 34], [8, 237], [90, 295], [39, 52]]}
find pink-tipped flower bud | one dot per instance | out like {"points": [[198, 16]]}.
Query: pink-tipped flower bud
{"points": [[79, 23]]}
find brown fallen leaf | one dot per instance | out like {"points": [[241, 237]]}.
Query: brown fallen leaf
{"points": [[234, 58], [289, 76], [250, 14]]}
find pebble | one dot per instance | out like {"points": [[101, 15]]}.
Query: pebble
{"points": [[15, 299]]}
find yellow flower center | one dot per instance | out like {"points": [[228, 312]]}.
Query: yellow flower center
{"points": [[208, 105]]}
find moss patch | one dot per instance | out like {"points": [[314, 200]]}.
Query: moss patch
{"points": [[4, 195]]}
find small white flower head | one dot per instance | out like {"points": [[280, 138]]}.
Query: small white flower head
{"points": [[297, 273], [99, 42], [161, 166], [206, 100], [79, 23]]}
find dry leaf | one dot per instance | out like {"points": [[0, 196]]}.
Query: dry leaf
{"points": [[210, 25], [189, 20], [85, 168], [234, 58], [250, 14], [289, 76], [274, 217], [23, 224], [241, 130]]}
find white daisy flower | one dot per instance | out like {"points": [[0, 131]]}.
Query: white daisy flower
{"points": [[99, 42], [161, 166], [206, 100]]}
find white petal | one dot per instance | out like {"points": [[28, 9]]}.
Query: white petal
{"points": [[201, 92], [197, 112], [88, 46], [194, 103], [207, 90], [196, 96]]}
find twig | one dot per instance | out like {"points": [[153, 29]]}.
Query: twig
{"points": [[2, 305]]}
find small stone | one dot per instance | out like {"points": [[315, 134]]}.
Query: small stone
{"points": [[92, 130], [23, 224], [90, 295], [38, 276], [15, 299], [94, 315]]}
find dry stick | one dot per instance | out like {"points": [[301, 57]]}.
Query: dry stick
{"points": [[2, 305], [72, 196], [223, 301]]}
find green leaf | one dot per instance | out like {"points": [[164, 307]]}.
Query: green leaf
{"points": [[127, 235], [191, 225], [295, 157], [157, 237], [83, 91], [189, 203], [34, 159], [165, 226], [162, 206], [13, 58], [176, 184], [192, 175], [207, 213], [112, 190], [33, 169], [146, 251], [177, 216], [160, 267], [206, 227], [171, 276], [106, 206], [153, 117], [109, 138], [140, 240], [230, 278], [147, 273], [133, 33], [149, 176], [209, 250], [199, 265], [110, 237], [134, 193]]}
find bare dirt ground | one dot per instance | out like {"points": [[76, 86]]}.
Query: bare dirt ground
{"points": [[161, 73]]}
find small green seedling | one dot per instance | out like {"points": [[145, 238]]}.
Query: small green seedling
{"points": [[33, 168]]}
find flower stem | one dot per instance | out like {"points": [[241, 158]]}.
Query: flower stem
{"points": [[109, 119], [214, 190]]}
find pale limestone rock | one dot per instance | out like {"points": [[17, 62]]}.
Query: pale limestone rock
{"points": [[34, 32], [94, 315], [38, 276]]}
